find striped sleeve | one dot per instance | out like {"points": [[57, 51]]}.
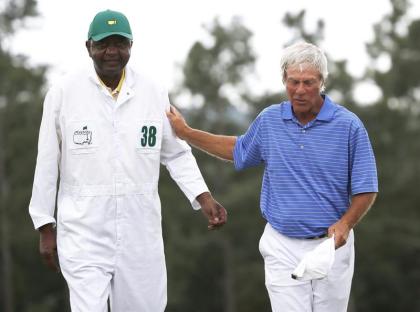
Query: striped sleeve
{"points": [[362, 161], [247, 150]]}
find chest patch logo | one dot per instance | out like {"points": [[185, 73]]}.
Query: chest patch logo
{"points": [[82, 137]]}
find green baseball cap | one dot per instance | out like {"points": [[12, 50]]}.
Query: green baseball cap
{"points": [[108, 23]]}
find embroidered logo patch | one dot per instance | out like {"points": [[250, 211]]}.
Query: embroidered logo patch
{"points": [[82, 137]]}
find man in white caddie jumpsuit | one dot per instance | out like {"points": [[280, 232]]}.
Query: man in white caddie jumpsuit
{"points": [[104, 134]]}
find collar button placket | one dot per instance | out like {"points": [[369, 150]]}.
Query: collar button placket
{"points": [[115, 148]]}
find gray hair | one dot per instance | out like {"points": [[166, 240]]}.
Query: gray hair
{"points": [[303, 52]]}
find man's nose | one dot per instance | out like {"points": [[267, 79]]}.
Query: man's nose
{"points": [[300, 88], [111, 49]]}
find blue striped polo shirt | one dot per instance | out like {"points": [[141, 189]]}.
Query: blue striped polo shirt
{"points": [[311, 171]]}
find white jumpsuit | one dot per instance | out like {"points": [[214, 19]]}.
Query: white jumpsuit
{"points": [[105, 156]]}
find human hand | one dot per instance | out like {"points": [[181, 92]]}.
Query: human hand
{"points": [[48, 247], [214, 212], [178, 123], [341, 231]]}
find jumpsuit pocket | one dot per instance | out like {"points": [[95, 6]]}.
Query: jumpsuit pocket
{"points": [[87, 150]]}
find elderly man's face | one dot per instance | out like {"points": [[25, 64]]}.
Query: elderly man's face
{"points": [[303, 87], [110, 55]]}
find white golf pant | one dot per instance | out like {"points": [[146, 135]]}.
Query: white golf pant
{"points": [[112, 247], [281, 256]]}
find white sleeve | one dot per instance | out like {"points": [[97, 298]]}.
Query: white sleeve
{"points": [[177, 157], [44, 191]]}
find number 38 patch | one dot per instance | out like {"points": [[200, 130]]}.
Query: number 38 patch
{"points": [[149, 136]]}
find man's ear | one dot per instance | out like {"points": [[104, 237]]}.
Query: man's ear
{"points": [[88, 45]]}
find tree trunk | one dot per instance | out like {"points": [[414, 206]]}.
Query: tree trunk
{"points": [[229, 292], [229, 276], [6, 259]]}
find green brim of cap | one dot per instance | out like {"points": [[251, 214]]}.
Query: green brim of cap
{"points": [[104, 35]]}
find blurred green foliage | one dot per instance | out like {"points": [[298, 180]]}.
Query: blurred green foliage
{"points": [[222, 270]]}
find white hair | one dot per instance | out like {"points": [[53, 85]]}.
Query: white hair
{"points": [[305, 53]]}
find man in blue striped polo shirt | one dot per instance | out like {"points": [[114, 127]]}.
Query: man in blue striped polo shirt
{"points": [[320, 180]]}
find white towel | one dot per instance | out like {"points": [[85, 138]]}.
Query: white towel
{"points": [[316, 263]]}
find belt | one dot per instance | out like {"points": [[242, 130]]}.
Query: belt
{"points": [[318, 236]]}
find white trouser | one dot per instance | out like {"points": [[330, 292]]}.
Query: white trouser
{"points": [[281, 256], [112, 247]]}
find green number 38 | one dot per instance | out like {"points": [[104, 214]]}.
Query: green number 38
{"points": [[149, 136]]}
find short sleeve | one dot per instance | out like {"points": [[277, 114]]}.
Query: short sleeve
{"points": [[247, 150], [363, 172]]}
